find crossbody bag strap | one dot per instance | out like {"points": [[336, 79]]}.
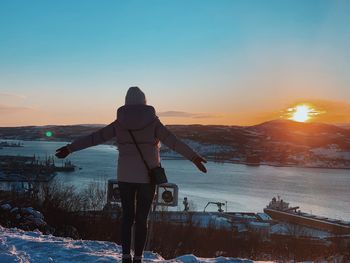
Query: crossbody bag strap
{"points": [[138, 149]]}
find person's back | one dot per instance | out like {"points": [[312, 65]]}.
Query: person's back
{"points": [[133, 177], [142, 121]]}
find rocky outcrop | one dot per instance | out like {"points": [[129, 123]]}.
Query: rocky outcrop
{"points": [[25, 218]]}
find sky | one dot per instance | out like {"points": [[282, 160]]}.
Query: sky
{"points": [[228, 62]]}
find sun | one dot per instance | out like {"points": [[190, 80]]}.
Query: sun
{"points": [[302, 113]]}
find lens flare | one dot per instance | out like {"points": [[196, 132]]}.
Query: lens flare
{"points": [[48, 133]]}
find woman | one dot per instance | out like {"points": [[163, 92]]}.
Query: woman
{"points": [[133, 180]]}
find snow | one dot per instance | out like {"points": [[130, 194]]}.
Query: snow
{"points": [[279, 229], [31, 212], [205, 149], [332, 151], [259, 225], [199, 219], [243, 216], [290, 229], [14, 210], [211, 220], [32, 246], [241, 227], [25, 216], [216, 220], [264, 217], [5, 207]]}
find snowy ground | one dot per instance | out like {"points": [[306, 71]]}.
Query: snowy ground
{"points": [[21, 246]]}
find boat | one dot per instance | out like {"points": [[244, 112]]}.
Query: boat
{"points": [[280, 210]]}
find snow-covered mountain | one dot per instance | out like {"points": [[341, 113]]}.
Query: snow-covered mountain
{"points": [[32, 246]]}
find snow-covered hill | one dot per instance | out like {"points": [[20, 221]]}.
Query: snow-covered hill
{"points": [[277, 142], [21, 246]]}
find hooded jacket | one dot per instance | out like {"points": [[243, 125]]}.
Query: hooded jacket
{"points": [[148, 132]]}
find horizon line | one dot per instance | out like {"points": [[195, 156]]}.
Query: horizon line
{"points": [[198, 124]]}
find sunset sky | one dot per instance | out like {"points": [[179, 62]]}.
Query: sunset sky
{"points": [[208, 62]]}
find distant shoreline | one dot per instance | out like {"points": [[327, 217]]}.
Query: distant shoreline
{"points": [[261, 164], [209, 159]]}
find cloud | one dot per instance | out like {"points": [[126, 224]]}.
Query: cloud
{"points": [[5, 109], [12, 95], [183, 114], [174, 114]]}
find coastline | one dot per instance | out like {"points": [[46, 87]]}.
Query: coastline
{"points": [[261, 164], [165, 157]]}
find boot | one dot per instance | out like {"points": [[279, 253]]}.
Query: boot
{"points": [[126, 258], [137, 259]]}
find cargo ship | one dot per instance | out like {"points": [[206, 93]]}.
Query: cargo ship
{"points": [[280, 210]]}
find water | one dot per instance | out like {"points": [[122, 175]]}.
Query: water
{"points": [[245, 188]]}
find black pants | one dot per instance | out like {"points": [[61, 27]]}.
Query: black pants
{"points": [[141, 195]]}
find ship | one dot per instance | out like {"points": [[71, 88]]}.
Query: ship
{"points": [[32, 166], [24, 174], [280, 210]]}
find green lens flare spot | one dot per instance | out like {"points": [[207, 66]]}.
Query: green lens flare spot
{"points": [[48, 133]]}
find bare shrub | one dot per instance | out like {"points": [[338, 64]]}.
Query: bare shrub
{"points": [[94, 196], [56, 195]]}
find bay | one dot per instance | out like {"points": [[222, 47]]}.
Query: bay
{"points": [[324, 192]]}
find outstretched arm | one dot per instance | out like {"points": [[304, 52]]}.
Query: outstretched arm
{"points": [[100, 136], [170, 140]]}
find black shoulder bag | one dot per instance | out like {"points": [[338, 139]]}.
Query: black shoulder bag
{"points": [[157, 174]]}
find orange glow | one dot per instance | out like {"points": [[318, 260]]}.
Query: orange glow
{"points": [[302, 113], [325, 111]]}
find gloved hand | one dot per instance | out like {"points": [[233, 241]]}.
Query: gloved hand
{"points": [[198, 162], [62, 152]]}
